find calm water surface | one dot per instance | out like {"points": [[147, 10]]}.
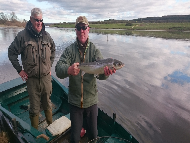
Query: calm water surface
{"points": [[150, 95]]}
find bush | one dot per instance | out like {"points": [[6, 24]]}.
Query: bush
{"points": [[128, 24]]}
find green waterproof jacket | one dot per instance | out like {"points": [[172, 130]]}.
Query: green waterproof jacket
{"points": [[70, 56], [37, 52]]}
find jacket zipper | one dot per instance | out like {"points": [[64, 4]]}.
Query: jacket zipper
{"points": [[39, 62], [82, 93]]}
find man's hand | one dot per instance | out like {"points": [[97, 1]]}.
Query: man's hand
{"points": [[73, 69], [108, 71], [23, 75]]}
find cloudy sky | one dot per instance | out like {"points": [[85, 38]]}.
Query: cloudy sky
{"points": [[67, 10]]}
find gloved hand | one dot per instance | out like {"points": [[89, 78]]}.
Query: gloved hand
{"points": [[108, 71]]}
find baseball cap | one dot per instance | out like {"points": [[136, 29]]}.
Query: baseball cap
{"points": [[81, 19]]}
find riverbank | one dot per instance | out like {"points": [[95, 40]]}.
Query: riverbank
{"points": [[158, 30], [10, 26], [180, 35], [14, 23], [133, 26]]}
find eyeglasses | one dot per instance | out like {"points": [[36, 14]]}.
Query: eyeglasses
{"points": [[83, 28], [37, 20]]}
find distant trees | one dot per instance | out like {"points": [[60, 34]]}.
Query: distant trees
{"points": [[11, 20], [13, 17], [3, 18]]}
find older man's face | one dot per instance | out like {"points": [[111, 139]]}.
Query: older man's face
{"points": [[81, 33], [37, 22]]}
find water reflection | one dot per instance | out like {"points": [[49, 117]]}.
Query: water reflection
{"points": [[7, 34], [150, 94], [178, 77], [151, 105]]}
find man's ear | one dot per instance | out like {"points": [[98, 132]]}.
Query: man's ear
{"points": [[30, 18]]}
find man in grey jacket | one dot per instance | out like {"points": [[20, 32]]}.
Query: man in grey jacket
{"points": [[83, 96], [37, 51]]}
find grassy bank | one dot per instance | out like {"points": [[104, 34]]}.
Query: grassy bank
{"points": [[13, 24], [157, 34], [159, 30], [134, 26], [164, 34]]}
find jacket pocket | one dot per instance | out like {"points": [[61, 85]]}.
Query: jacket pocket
{"points": [[30, 52], [45, 56], [46, 50], [29, 59]]}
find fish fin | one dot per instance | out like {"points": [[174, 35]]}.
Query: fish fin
{"points": [[82, 73]]}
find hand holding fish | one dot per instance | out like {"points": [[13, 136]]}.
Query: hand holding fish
{"points": [[73, 69], [108, 71]]}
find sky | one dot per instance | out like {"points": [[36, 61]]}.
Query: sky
{"points": [[56, 11]]}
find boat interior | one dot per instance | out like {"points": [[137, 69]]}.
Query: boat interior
{"points": [[15, 104]]}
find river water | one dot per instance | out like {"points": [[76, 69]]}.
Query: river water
{"points": [[150, 94]]}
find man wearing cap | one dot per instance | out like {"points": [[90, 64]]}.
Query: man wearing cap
{"points": [[83, 96]]}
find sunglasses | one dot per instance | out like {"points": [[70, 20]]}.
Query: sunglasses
{"points": [[83, 28], [37, 20]]}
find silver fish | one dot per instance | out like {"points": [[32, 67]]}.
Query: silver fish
{"points": [[97, 67]]}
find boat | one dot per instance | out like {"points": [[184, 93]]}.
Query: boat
{"points": [[14, 117]]}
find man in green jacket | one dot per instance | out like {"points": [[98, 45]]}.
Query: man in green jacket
{"points": [[83, 96], [37, 51]]}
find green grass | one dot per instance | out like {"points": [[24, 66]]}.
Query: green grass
{"points": [[163, 34], [112, 31], [110, 26], [162, 26], [135, 26], [158, 34], [171, 30], [63, 25]]}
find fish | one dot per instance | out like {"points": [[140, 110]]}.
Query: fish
{"points": [[97, 67]]}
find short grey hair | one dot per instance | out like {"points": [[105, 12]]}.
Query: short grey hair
{"points": [[36, 12]]}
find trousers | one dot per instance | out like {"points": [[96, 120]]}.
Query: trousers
{"points": [[39, 90], [86, 117]]}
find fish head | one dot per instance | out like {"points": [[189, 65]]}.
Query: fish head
{"points": [[117, 64]]}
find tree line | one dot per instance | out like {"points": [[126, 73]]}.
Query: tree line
{"points": [[11, 20]]}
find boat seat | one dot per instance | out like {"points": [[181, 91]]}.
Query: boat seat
{"points": [[59, 126]]}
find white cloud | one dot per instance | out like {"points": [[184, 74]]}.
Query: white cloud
{"points": [[17, 6], [64, 10]]}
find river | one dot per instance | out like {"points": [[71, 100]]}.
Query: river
{"points": [[150, 94]]}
